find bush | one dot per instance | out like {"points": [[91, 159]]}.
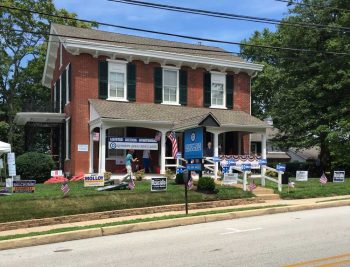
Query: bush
{"points": [[179, 179], [206, 184], [33, 165], [293, 167]]}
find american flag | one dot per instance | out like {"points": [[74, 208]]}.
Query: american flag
{"points": [[131, 184], [172, 138], [190, 184], [65, 188], [291, 184], [323, 179], [252, 186]]}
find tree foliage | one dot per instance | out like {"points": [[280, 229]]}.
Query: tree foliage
{"points": [[22, 58], [306, 93]]}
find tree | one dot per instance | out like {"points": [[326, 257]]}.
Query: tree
{"points": [[22, 57], [307, 94]]}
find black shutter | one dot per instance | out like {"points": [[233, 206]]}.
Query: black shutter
{"points": [[64, 89], [207, 89], [70, 138], [229, 91], [70, 82], [103, 79], [63, 144], [57, 102], [183, 87], [158, 85], [131, 81]]}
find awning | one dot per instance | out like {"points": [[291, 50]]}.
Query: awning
{"points": [[45, 118], [4, 148]]}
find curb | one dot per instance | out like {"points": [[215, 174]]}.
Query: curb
{"points": [[143, 226]]}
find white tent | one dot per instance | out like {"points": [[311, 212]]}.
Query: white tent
{"points": [[4, 148]]}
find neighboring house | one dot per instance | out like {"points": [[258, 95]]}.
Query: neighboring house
{"points": [[106, 85], [275, 154]]}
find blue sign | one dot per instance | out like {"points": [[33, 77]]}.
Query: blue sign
{"points": [[194, 167], [263, 162], [216, 159], [225, 169], [178, 155], [180, 170], [231, 162], [246, 167], [194, 143], [281, 167]]}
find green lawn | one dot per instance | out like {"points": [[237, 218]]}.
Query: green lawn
{"points": [[48, 200], [311, 189]]}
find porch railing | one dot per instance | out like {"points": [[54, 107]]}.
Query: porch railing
{"points": [[174, 163]]}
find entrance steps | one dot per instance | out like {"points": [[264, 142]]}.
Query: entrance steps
{"points": [[262, 193]]}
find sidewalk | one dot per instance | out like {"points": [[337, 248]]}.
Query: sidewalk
{"points": [[297, 202]]}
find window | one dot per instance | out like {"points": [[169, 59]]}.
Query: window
{"points": [[117, 81], [217, 90], [116, 153], [170, 86]]}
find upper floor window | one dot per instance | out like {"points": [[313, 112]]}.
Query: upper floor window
{"points": [[218, 90], [170, 86], [117, 81]]}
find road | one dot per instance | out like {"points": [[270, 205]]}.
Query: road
{"points": [[272, 240]]}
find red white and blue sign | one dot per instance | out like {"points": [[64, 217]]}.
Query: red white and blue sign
{"points": [[281, 167], [246, 167], [262, 162], [194, 143]]}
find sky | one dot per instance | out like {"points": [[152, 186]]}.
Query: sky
{"points": [[180, 23]]}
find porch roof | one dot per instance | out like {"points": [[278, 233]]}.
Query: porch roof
{"points": [[180, 117]]}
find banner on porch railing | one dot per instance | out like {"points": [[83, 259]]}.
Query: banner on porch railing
{"points": [[137, 143], [238, 160]]}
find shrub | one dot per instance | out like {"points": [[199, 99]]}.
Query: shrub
{"points": [[206, 184], [179, 179], [33, 165], [169, 174]]}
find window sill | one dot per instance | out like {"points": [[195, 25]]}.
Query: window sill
{"points": [[170, 104], [117, 99], [218, 107]]}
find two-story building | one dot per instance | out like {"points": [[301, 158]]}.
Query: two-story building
{"points": [[106, 85]]}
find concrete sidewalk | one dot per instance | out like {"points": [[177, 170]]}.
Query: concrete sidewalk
{"points": [[267, 203]]}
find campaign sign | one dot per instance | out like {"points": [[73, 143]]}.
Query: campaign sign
{"points": [[9, 182], [262, 162], [246, 167], [56, 173], [24, 186], [158, 184], [94, 180], [194, 143], [216, 159], [194, 167], [301, 176], [281, 167], [231, 162], [338, 176], [225, 169], [180, 170], [137, 143], [11, 158], [230, 178], [178, 155], [12, 169]]}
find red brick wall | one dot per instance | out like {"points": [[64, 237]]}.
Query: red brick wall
{"points": [[85, 86]]}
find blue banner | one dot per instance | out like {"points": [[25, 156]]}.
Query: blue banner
{"points": [[194, 143], [194, 167], [281, 167], [246, 167], [216, 159]]}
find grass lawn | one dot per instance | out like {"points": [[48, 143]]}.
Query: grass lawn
{"points": [[312, 188], [48, 200]]}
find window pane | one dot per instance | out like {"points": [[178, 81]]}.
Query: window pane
{"points": [[170, 78], [217, 94], [116, 84]]}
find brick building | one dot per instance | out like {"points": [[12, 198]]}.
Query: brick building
{"points": [[107, 85]]}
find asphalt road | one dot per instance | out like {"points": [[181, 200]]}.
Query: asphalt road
{"points": [[272, 240]]}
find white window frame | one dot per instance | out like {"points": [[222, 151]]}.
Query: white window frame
{"points": [[67, 84], [171, 68], [218, 77], [124, 151], [67, 138], [117, 66], [61, 58], [54, 96]]}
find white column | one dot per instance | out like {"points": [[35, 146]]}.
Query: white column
{"points": [[216, 153], [239, 143], [102, 156], [162, 152], [91, 162], [264, 156]]}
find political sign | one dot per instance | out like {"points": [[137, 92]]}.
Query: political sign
{"points": [[301, 176], [339, 176], [24, 186], [55, 173], [94, 180], [230, 178], [281, 167], [158, 184], [193, 148]]}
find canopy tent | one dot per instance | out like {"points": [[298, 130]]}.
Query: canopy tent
{"points": [[4, 148]]}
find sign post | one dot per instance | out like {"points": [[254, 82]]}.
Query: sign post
{"points": [[11, 164], [186, 174]]}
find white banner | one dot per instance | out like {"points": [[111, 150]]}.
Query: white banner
{"points": [[11, 158], [302, 176], [12, 169], [131, 145], [230, 178], [9, 182], [56, 173]]}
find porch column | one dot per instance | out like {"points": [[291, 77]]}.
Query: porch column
{"points": [[264, 156], [162, 152], [102, 159], [239, 143], [91, 161], [216, 153]]}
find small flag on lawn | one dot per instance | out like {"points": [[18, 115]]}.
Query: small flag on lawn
{"points": [[65, 188], [131, 184], [190, 184], [252, 186], [323, 179], [291, 184]]}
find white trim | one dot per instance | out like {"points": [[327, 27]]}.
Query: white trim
{"points": [[117, 61], [67, 84], [61, 57], [119, 68], [218, 107], [169, 68], [221, 78], [67, 138]]}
